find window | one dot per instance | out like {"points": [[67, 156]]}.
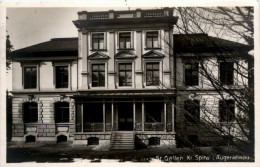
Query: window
{"points": [[154, 141], [98, 75], [152, 40], [125, 40], [154, 111], [30, 77], [30, 111], [98, 42], [62, 77], [93, 141], [125, 74], [152, 74], [192, 110], [226, 73], [62, 112], [226, 110], [191, 74]]}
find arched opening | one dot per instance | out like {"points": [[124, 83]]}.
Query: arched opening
{"points": [[30, 139], [61, 139], [93, 141], [154, 141]]}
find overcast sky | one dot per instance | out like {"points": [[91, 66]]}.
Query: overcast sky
{"points": [[29, 26]]}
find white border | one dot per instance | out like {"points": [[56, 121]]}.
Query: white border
{"points": [[125, 4]]}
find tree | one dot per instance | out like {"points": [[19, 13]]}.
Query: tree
{"points": [[9, 48], [235, 24]]}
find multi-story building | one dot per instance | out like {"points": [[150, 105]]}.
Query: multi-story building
{"points": [[116, 83]]}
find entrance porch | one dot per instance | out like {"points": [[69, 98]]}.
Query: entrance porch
{"points": [[140, 115]]}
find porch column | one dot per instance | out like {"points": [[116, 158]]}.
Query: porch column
{"points": [[173, 111], [104, 116], [134, 113], [82, 126], [112, 110], [165, 108], [142, 114]]}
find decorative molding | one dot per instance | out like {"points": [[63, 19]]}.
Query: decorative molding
{"points": [[125, 55], [98, 56], [139, 72], [153, 54], [84, 73], [111, 72]]}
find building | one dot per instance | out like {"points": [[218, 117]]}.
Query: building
{"points": [[117, 83]]}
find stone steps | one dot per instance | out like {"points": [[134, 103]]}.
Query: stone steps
{"points": [[122, 140]]}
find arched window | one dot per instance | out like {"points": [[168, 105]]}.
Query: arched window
{"points": [[62, 112], [30, 112]]}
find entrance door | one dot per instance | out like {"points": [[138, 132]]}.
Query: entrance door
{"points": [[125, 116]]}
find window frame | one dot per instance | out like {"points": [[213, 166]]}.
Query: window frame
{"points": [[68, 68], [105, 74], [55, 64], [185, 74], [227, 120], [118, 73], [159, 41], [27, 110], [226, 75], [192, 114], [159, 71], [91, 41], [131, 40], [55, 108], [37, 76]]}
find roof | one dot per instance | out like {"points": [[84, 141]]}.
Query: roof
{"points": [[54, 47], [184, 43]]}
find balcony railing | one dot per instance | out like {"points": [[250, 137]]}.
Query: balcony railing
{"points": [[157, 13], [93, 127], [98, 16], [155, 126], [152, 14]]}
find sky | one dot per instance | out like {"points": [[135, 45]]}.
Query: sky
{"points": [[29, 26]]}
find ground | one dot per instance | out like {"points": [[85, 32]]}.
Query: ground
{"points": [[65, 152]]}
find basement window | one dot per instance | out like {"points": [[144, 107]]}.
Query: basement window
{"points": [[154, 141], [93, 141], [30, 139]]}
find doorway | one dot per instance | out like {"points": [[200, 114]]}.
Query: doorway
{"points": [[125, 116]]}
